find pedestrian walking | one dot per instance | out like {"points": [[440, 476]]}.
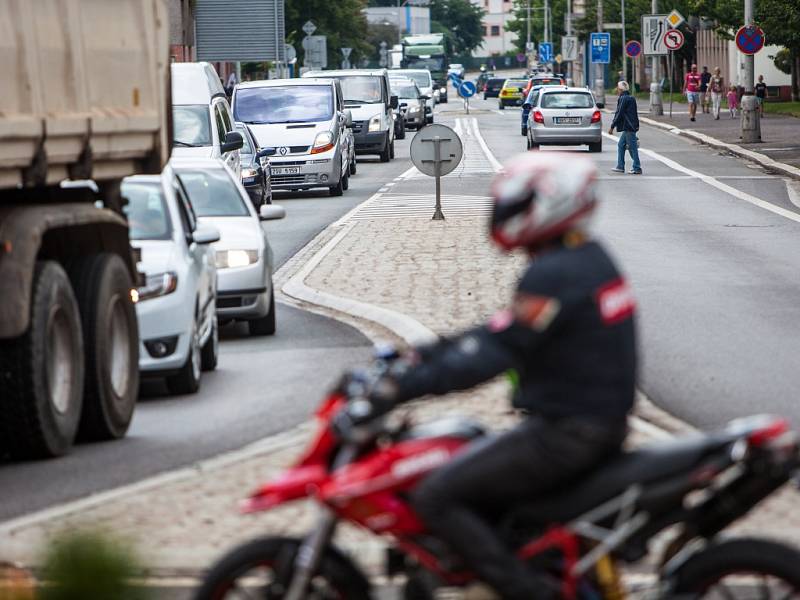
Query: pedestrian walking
{"points": [[761, 94], [733, 101], [626, 122], [691, 87], [705, 78], [716, 87]]}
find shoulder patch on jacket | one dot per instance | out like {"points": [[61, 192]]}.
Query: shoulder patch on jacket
{"points": [[615, 302], [537, 312]]}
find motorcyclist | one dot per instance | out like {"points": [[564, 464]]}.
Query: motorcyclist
{"points": [[569, 336]]}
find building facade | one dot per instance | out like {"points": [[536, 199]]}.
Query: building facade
{"points": [[410, 20], [181, 30], [497, 40]]}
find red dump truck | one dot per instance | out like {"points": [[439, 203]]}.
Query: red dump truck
{"points": [[84, 102]]}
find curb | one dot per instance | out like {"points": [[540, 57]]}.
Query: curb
{"points": [[751, 155]]}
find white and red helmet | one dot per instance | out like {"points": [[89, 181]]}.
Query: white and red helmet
{"points": [[540, 196]]}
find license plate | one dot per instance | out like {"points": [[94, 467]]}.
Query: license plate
{"points": [[285, 170], [568, 120]]}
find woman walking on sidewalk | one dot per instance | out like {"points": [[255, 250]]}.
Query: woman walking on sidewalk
{"points": [[733, 101], [716, 86], [626, 121]]}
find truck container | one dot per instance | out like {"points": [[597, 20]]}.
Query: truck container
{"points": [[84, 103], [428, 51]]}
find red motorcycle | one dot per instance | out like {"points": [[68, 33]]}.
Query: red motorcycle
{"points": [[362, 470]]}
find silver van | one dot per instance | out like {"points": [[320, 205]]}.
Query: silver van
{"points": [[201, 116], [368, 96], [301, 126]]}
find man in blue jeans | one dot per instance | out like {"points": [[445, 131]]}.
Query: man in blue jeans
{"points": [[626, 121]]}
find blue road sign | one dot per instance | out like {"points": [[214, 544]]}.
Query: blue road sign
{"points": [[545, 52], [601, 47], [467, 89], [633, 48], [455, 80]]}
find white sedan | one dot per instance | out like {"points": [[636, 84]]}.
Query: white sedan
{"points": [[244, 257], [176, 305]]}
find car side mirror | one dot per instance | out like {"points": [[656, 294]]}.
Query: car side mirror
{"points": [[526, 106], [601, 105], [262, 153], [271, 212], [394, 102], [205, 234], [348, 118], [233, 141]]}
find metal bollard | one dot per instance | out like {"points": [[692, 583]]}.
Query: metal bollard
{"points": [[656, 103], [751, 120]]}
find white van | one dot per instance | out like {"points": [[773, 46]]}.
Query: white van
{"points": [[201, 117], [368, 96]]}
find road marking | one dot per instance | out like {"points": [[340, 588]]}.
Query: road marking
{"points": [[713, 182], [495, 163], [402, 206], [793, 189]]}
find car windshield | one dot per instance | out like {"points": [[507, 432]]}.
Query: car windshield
{"points": [[148, 217], [363, 89], [422, 79], [517, 83], [289, 104], [567, 100], [496, 83], [246, 147], [546, 81], [213, 193], [431, 63], [191, 124], [405, 91]]}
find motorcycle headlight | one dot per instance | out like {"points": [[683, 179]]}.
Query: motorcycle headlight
{"points": [[229, 259], [248, 173], [375, 123], [443, 90], [159, 284]]}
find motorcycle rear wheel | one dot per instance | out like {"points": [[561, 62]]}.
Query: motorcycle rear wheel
{"points": [[740, 568], [253, 569]]}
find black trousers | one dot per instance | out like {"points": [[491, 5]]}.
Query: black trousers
{"points": [[497, 473]]}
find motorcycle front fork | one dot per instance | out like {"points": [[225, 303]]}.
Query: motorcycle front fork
{"points": [[310, 553]]}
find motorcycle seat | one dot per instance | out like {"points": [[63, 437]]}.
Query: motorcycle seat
{"points": [[453, 427], [646, 465]]}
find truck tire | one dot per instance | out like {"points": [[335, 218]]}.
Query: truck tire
{"points": [[385, 154], [111, 345], [41, 372]]}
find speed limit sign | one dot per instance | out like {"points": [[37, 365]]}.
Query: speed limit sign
{"points": [[673, 40]]}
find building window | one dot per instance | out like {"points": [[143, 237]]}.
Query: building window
{"points": [[495, 30]]}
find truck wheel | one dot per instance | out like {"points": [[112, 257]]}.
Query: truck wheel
{"points": [[41, 372], [111, 345], [265, 325], [209, 355], [402, 133], [187, 380], [385, 155], [391, 150], [353, 167]]}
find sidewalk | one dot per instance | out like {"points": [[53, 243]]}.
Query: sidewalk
{"points": [[449, 278], [780, 134]]}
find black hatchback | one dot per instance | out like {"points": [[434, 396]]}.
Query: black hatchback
{"points": [[493, 87], [255, 176]]}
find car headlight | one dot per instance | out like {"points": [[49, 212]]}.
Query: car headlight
{"points": [[159, 284], [443, 90], [375, 123], [229, 259], [414, 109], [248, 173], [322, 143]]}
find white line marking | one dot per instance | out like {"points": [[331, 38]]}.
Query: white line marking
{"points": [[495, 163], [793, 189], [709, 180]]}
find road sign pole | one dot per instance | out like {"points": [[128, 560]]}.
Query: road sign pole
{"points": [[671, 76], [438, 215], [599, 84], [624, 55], [656, 103], [751, 116]]}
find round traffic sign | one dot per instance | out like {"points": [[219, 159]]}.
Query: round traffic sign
{"points": [[750, 39], [633, 48], [467, 89], [673, 39], [423, 149]]}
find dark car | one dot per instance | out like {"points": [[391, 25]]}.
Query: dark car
{"points": [[493, 87], [255, 176]]}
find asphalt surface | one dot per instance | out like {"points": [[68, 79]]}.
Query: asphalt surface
{"points": [[262, 386]]}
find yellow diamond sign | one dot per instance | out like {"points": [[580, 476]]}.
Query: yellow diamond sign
{"points": [[674, 19]]}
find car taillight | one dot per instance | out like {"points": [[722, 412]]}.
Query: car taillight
{"points": [[596, 117], [538, 117]]}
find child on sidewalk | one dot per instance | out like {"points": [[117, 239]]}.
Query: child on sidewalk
{"points": [[733, 101]]}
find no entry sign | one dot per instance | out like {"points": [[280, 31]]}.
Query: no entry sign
{"points": [[673, 40], [633, 48], [750, 39]]}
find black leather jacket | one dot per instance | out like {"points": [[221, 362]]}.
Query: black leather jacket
{"points": [[569, 335]]}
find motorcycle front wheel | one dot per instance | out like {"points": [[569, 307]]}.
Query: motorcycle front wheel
{"points": [[740, 568], [263, 569]]}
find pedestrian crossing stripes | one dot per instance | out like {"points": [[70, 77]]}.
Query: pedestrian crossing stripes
{"points": [[475, 160], [404, 206]]}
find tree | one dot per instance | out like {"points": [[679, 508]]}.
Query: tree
{"points": [[780, 19], [342, 21], [460, 21]]}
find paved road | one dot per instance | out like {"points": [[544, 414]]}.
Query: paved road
{"points": [[261, 387]]}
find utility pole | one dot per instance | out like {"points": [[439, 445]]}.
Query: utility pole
{"points": [[751, 117], [528, 39], [599, 83], [570, 73], [624, 54], [656, 104]]}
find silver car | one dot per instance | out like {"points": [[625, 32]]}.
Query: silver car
{"points": [[564, 116], [243, 254]]}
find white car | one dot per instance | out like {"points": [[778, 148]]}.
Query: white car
{"points": [[177, 304], [243, 254]]}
